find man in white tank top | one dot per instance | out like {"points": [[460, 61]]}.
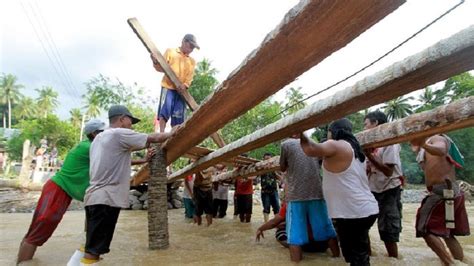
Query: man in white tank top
{"points": [[345, 186]]}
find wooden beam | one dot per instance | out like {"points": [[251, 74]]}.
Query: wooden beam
{"points": [[143, 174], [456, 115], [151, 48], [445, 59], [308, 33], [270, 165]]}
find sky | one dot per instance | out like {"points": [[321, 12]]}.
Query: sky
{"points": [[91, 37]]}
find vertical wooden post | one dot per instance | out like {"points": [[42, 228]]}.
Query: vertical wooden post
{"points": [[158, 236]]}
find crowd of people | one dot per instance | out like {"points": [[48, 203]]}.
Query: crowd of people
{"points": [[334, 190]]}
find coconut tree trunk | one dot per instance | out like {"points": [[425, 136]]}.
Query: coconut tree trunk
{"points": [[158, 237], [9, 113]]}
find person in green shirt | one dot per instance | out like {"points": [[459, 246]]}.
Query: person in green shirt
{"points": [[69, 183]]}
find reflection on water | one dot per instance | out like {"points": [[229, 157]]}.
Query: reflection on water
{"points": [[225, 242]]}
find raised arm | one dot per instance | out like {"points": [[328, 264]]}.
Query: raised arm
{"points": [[386, 169], [159, 137], [310, 148], [436, 145]]}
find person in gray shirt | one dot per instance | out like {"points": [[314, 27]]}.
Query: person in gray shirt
{"points": [[305, 200], [110, 160]]}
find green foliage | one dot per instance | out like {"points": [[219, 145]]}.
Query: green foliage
{"points": [[47, 100], [463, 139], [398, 108], [57, 132], [9, 95], [103, 92], [295, 102], [460, 86], [25, 109], [204, 81], [147, 116]]}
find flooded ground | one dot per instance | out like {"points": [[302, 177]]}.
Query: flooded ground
{"points": [[227, 241]]}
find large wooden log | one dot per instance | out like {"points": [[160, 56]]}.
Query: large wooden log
{"points": [[151, 48], [457, 115], [309, 33], [438, 62], [158, 235]]}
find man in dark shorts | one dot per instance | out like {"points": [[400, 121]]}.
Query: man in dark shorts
{"points": [[110, 157], [437, 157], [67, 184], [384, 170], [244, 191], [203, 195], [269, 191]]}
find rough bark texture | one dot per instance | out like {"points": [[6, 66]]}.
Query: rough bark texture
{"points": [[309, 33], [158, 237], [15, 183], [270, 165], [195, 153], [445, 59], [456, 115]]}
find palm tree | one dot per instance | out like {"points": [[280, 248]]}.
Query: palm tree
{"points": [[93, 104], [430, 99], [295, 102], [398, 108], [47, 100], [25, 109], [76, 117], [9, 93]]}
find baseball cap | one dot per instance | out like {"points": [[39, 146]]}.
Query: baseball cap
{"points": [[93, 125], [116, 110], [191, 39]]}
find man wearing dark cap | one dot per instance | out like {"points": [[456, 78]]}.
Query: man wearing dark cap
{"points": [[110, 172], [67, 184], [183, 66]]}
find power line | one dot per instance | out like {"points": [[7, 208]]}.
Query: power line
{"points": [[266, 121], [56, 50], [375, 61], [52, 62]]}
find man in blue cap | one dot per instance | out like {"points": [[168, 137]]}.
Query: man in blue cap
{"points": [[110, 178], [67, 184]]}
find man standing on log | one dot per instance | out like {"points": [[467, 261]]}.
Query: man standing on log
{"points": [[438, 156], [67, 184], [183, 65], [384, 170], [110, 157]]}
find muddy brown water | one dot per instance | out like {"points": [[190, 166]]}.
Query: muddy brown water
{"points": [[226, 242]]}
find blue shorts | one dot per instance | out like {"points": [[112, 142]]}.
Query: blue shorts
{"points": [[172, 107], [314, 212]]}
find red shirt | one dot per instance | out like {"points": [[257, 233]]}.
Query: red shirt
{"points": [[243, 187]]}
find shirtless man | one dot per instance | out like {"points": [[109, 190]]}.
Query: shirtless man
{"points": [[438, 166]]}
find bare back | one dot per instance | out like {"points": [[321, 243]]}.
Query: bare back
{"points": [[341, 160], [437, 168]]}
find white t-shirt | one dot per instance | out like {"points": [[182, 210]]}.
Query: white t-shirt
{"points": [[110, 166], [378, 182], [347, 193], [221, 193]]}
